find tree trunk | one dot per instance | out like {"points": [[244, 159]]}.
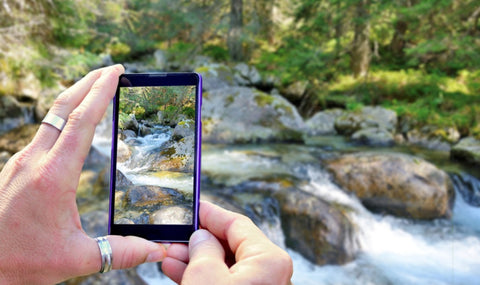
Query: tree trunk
{"points": [[264, 9], [398, 42], [361, 51], [234, 40]]}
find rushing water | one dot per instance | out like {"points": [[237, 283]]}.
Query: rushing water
{"points": [[393, 250]]}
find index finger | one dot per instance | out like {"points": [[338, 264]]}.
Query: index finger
{"points": [[76, 138]]}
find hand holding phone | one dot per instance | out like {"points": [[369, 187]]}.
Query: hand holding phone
{"points": [[155, 167]]}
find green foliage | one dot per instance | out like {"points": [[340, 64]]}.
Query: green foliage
{"points": [[218, 53]]}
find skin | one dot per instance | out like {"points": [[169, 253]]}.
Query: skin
{"points": [[41, 237], [229, 249]]}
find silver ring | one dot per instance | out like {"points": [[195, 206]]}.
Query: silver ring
{"points": [[54, 120], [106, 254]]}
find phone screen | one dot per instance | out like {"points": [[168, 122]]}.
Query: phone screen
{"points": [[155, 174]]}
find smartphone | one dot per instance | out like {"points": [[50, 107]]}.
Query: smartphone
{"points": [[155, 167]]}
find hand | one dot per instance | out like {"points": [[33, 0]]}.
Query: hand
{"points": [[41, 238], [229, 250]]}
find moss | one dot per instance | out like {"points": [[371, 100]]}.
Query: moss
{"points": [[263, 99]]}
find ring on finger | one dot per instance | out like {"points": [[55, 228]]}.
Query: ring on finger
{"points": [[54, 121], [106, 254]]}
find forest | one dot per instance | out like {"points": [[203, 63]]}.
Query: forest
{"points": [[419, 58]]}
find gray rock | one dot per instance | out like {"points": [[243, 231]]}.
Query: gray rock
{"points": [[318, 230], [131, 123], [368, 117], [468, 149], [296, 90], [216, 76], [323, 123], [121, 179], [242, 115], [184, 129], [246, 75], [397, 184], [373, 137], [172, 215]]}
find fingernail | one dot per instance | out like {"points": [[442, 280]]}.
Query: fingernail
{"points": [[199, 236], [155, 256]]}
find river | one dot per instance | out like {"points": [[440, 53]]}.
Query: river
{"points": [[392, 250]]}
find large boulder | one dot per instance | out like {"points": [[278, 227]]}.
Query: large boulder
{"points": [[243, 115], [468, 149], [323, 123], [373, 137], [320, 231], [397, 184], [246, 75], [367, 117], [216, 76]]}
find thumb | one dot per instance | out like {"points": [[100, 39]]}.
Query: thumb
{"points": [[131, 251], [207, 259]]}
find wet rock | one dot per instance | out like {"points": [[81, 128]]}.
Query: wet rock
{"points": [[244, 115], [468, 149], [14, 114], [246, 75], [323, 123], [216, 76], [174, 156], [184, 129], [16, 139], [121, 179], [368, 117], [373, 137], [172, 215], [468, 186], [397, 184], [320, 231], [147, 195], [123, 151]]}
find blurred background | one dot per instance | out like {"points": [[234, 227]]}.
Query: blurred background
{"points": [[347, 130]]}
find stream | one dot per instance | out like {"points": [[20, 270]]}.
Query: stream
{"points": [[392, 250]]}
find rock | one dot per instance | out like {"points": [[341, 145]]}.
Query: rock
{"points": [[123, 151], [172, 215], [4, 157], [141, 196], [29, 87], [246, 75], [432, 137], [121, 179], [184, 129], [321, 232], [368, 117], [15, 140], [244, 115], [130, 123], [373, 137], [468, 186], [397, 184], [216, 76], [295, 91], [160, 60], [323, 123], [144, 130], [468, 149], [14, 114]]}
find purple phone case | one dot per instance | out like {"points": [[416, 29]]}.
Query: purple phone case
{"points": [[158, 232]]}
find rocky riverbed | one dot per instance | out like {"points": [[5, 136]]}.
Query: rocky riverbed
{"points": [[356, 193]]}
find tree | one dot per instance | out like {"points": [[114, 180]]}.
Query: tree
{"points": [[235, 31], [361, 51]]}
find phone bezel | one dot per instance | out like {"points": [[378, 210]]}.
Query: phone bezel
{"points": [[158, 232]]}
